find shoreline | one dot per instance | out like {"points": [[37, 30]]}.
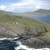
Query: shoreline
{"points": [[26, 44]]}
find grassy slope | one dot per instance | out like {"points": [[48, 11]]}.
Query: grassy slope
{"points": [[22, 21]]}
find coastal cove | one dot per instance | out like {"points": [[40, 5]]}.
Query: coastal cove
{"points": [[31, 33], [45, 19], [14, 44]]}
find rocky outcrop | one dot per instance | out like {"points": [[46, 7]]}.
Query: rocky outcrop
{"points": [[31, 37], [28, 35], [5, 32], [33, 32], [36, 43]]}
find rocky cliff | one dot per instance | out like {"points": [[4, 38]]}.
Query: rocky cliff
{"points": [[30, 32]]}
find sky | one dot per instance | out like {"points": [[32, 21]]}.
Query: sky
{"points": [[24, 5]]}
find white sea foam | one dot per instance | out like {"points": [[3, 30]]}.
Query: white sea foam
{"points": [[8, 38], [22, 47], [3, 38]]}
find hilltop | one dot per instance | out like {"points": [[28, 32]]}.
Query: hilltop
{"points": [[40, 12], [29, 30]]}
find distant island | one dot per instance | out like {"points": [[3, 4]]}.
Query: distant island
{"points": [[40, 12]]}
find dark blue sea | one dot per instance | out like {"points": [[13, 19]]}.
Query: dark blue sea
{"points": [[15, 44], [45, 19]]}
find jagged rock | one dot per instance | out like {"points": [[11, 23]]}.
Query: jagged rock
{"points": [[33, 32], [4, 32]]}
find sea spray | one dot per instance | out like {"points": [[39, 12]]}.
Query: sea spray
{"points": [[14, 44], [23, 47]]}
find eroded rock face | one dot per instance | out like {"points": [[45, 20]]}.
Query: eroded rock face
{"points": [[36, 44], [29, 35], [34, 37], [4, 32], [18, 30], [28, 31], [33, 32]]}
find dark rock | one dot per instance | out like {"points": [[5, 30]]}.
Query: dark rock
{"points": [[33, 32], [4, 32]]}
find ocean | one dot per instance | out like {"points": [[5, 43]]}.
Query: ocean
{"points": [[14, 44], [45, 19]]}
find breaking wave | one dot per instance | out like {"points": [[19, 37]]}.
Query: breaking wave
{"points": [[14, 44]]}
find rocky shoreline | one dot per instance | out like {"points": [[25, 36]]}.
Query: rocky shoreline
{"points": [[29, 36]]}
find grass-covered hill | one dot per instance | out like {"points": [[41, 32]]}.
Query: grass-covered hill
{"points": [[40, 12], [33, 33]]}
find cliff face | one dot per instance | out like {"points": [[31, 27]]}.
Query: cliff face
{"points": [[35, 37], [6, 32], [30, 32], [28, 35]]}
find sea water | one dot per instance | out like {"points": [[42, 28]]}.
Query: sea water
{"points": [[14, 44], [45, 19]]}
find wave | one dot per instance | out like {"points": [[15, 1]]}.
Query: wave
{"points": [[23, 47], [14, 44]]}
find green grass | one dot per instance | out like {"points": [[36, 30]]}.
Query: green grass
{"points": [[22, 20]]}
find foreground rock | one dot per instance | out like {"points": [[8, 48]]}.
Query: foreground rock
{"points": [[35, 37], [29, 36], [5, 32], [33, 32], [36, 43]]}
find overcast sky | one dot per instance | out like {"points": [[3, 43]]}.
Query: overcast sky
{"points": [[24, 5]]}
